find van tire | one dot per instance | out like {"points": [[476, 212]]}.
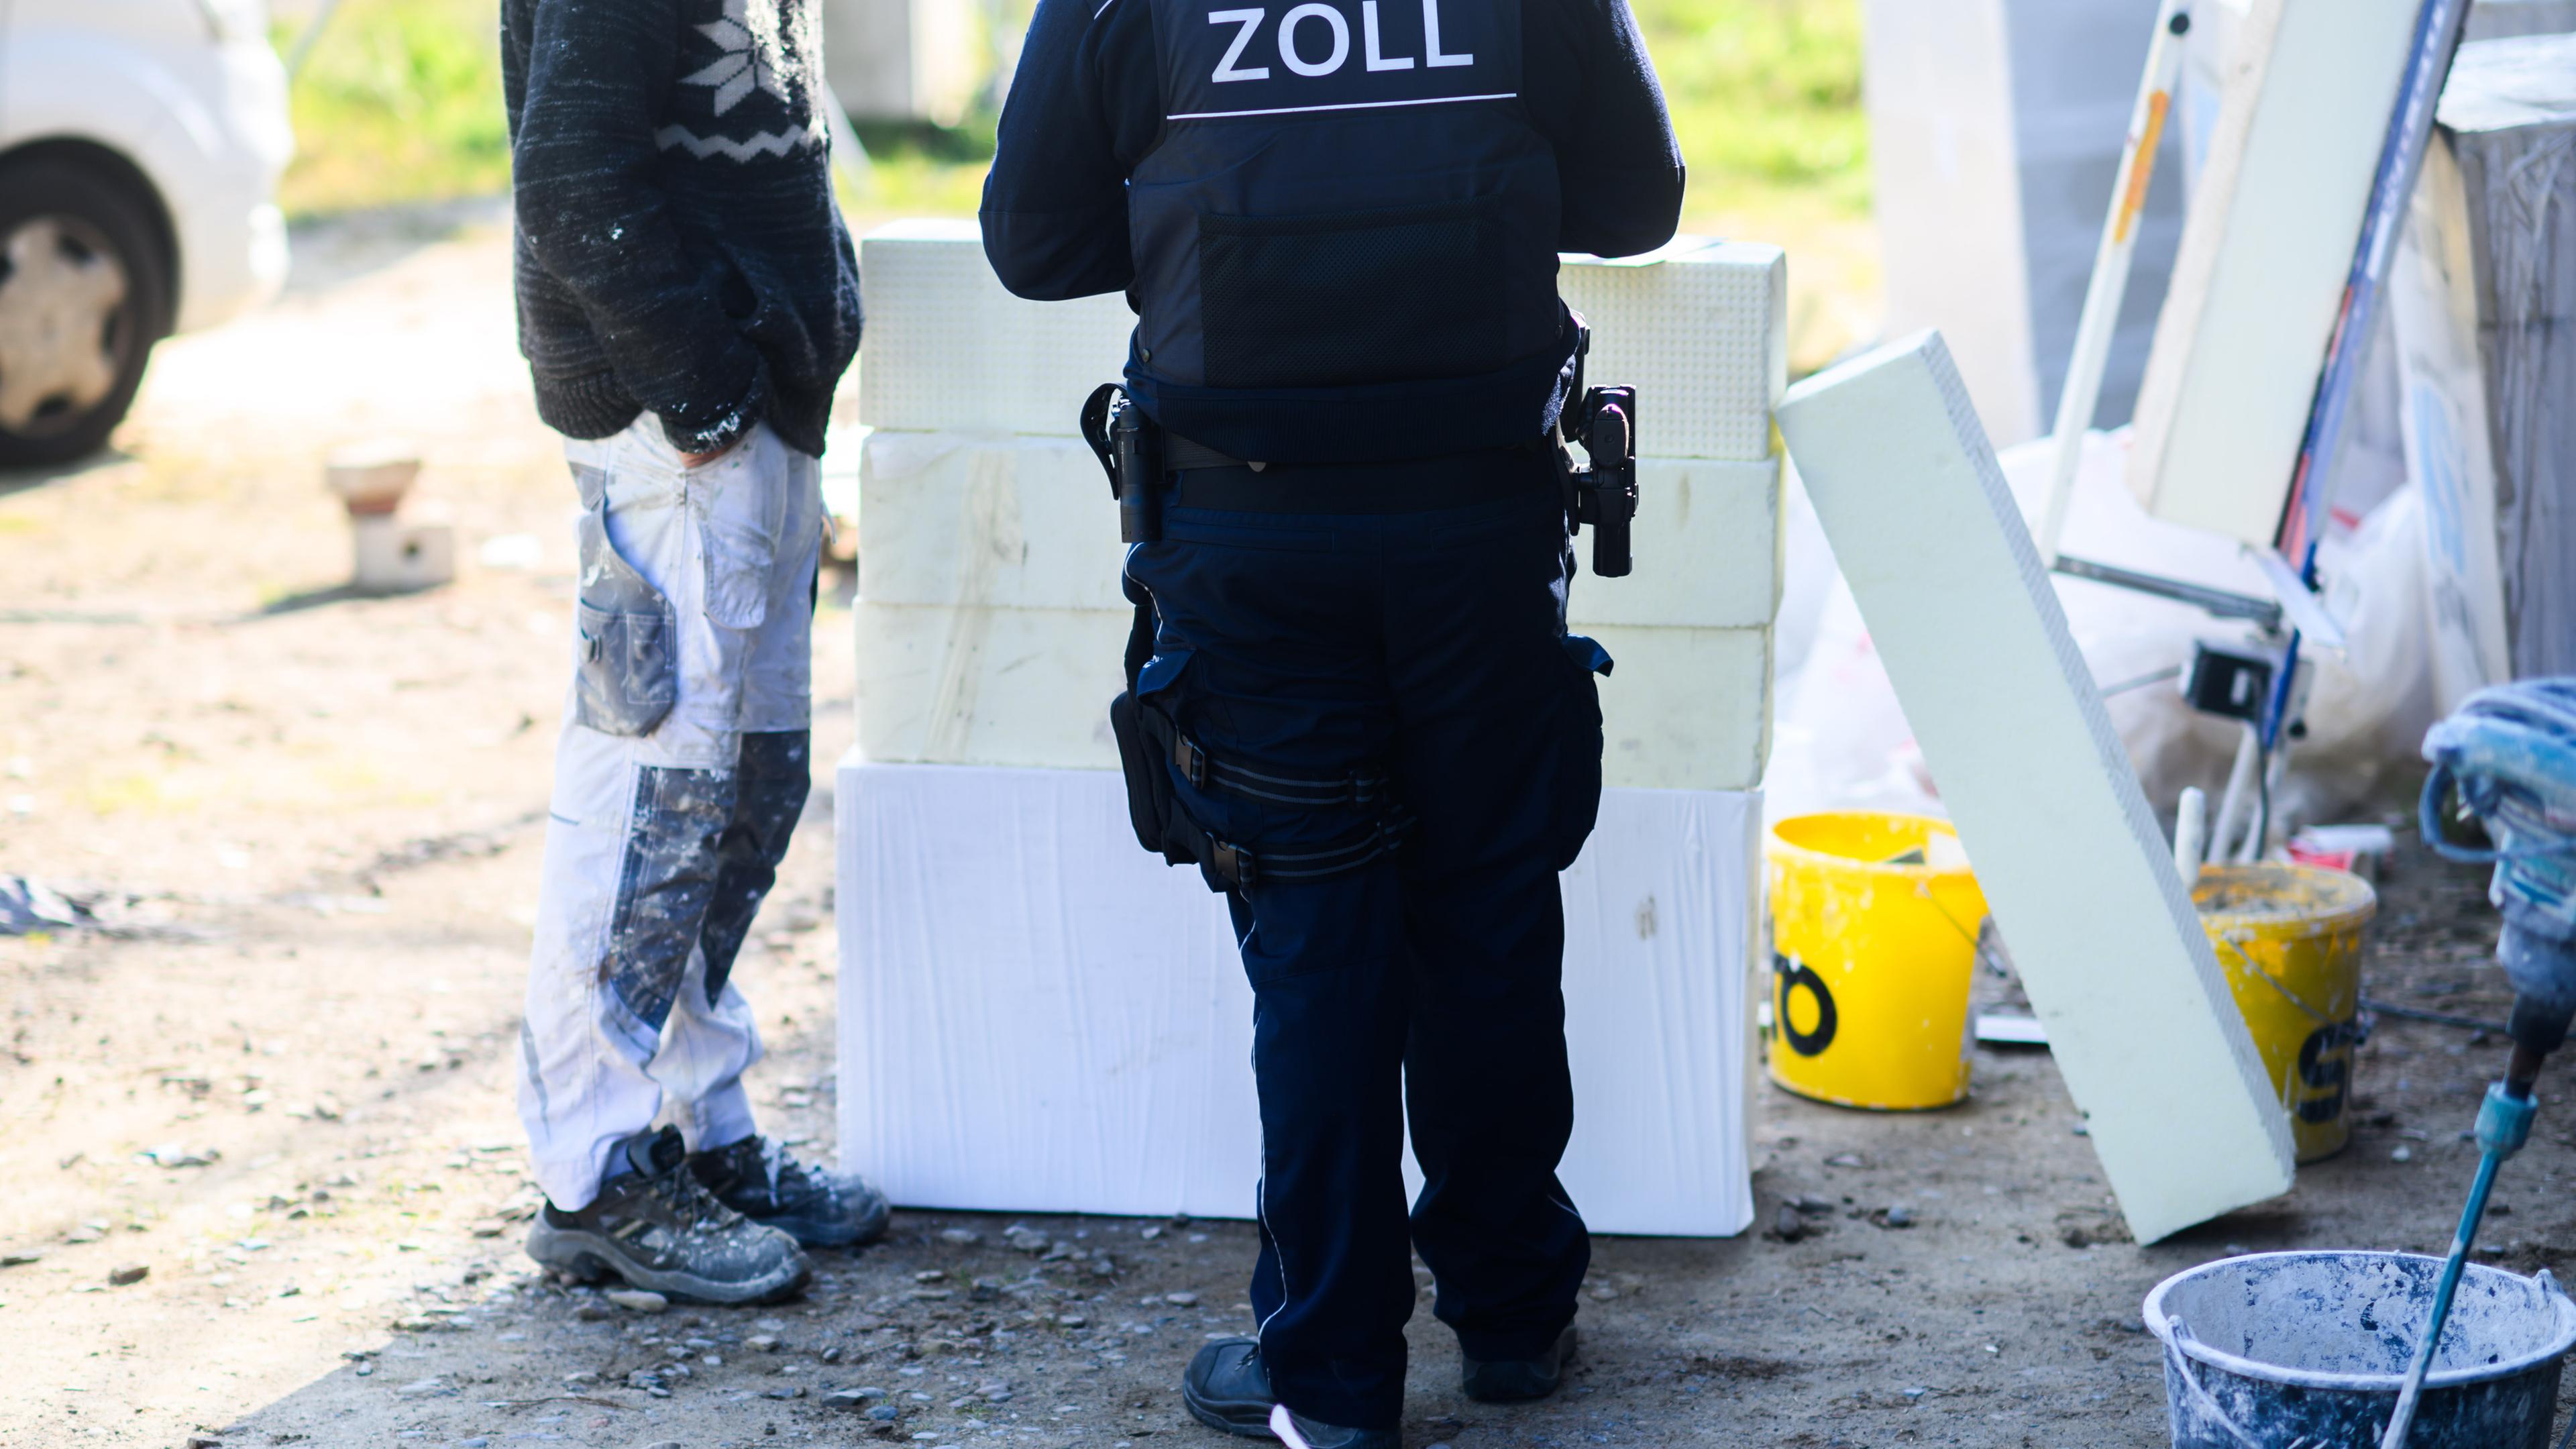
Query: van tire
{"points": [[74, 242]]}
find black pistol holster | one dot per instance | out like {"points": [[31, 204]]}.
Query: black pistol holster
{"points": [[1130, 448], [1603, 493]]}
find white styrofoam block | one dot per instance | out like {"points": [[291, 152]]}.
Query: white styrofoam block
{"points": [[2073, 864], [1700, 328], [953, 518], [2265, 256], [988, 686], [1036, 1016], [948, 350], [1707, 545], [1663, 928], [1685, 709]]}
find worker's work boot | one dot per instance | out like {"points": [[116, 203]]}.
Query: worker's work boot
{"points": [[656, 1227], [1227, 1388], [756, 1178], [1519, 1380]]}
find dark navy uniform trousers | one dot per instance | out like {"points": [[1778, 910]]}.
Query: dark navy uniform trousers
{"points": [[1315, 636]]}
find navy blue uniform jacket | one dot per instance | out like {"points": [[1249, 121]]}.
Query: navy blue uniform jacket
{"points": [[1086, 106]]}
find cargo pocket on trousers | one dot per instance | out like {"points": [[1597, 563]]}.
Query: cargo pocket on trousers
{"points": [[628, 674], [738, 537], [1578, 766]]}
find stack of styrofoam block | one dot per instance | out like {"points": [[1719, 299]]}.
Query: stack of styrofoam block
{"points": [[1030, 1004], [990, 620]]}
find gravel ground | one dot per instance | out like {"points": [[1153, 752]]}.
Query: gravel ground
{"points": [[277, 1081]]}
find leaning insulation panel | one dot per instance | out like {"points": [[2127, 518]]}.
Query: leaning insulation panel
{"points": [[2073, 865]]}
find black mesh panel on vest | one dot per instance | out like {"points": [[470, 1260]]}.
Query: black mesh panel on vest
{"points": [[1352, 299]]}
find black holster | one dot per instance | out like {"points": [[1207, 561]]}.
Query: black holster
{"points": [[1153, 805], [1604, 492], [1130, 448]]}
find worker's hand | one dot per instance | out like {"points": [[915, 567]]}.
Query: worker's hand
{"points": [[700, 460]]}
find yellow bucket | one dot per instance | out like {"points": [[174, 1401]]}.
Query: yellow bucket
{"points": [[2289, 937], [1874, 922]]}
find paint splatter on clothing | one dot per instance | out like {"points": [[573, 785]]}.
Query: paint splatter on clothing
{"points": [[668, 825]]}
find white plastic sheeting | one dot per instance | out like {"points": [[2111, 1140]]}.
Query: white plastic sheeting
{"points": [[1036, 1016]]}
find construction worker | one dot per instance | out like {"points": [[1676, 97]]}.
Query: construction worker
{"points": [[688, 300], [1355, 705]]}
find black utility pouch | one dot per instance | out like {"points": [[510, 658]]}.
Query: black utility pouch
{"points": [[628, 674], [1149, 785], [1579, 758]]}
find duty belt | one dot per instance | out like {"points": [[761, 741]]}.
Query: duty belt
{"points": [[1181, 454], [1138, 456]]}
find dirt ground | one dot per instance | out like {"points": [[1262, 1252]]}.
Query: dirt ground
{"points": [[279, 1083]]}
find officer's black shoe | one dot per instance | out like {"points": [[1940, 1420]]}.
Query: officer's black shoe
{"points": [[756, 1178], [654, 1226], [1519, 1380], [1227, 1388]]}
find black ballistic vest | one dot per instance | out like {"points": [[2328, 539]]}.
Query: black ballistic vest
{"points": [[1347, 209]]}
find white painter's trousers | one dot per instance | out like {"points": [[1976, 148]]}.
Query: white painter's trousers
{"points": [[683, 766]]}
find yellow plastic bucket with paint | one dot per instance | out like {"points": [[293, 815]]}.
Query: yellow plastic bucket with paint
{"points": [[2289, 938], [1874, 921]]}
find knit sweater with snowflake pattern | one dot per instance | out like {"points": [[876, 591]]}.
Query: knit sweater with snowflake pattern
{"points": [[679, 248]]}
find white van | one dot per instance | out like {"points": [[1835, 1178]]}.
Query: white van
{"points": [[140, 146]]}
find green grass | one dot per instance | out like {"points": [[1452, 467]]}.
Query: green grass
{"points": [[1765, 95], [402, 102]]}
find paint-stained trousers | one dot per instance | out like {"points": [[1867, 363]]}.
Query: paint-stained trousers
{"points": [[683, 766], [1428, 650]]}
